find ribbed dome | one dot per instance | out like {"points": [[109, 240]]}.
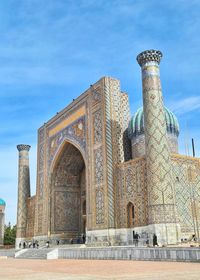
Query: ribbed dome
{"points": [[2, 202], [136, 125]]}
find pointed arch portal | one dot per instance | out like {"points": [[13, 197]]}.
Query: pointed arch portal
{"points": [[68, 193], [130, 215]]}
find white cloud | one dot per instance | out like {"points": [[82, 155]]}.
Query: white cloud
{"points": [[186, 105]]}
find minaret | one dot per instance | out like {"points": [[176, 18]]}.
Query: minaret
{"points": [[2, 220], [23, 191], [162, 218]]}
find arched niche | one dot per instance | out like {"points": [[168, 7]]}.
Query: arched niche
{"points": [[68, 191]]}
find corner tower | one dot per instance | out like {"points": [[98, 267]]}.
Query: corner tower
{"points": [[162, 217], [23, 191]]}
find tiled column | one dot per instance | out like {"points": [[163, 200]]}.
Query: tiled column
{"points": [[23, 189], [2, 223], [158, 162]]}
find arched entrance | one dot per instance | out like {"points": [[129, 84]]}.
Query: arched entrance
{"points": [[68, 194], [130, 215]]}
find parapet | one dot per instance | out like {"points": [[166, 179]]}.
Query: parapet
{"points": [[149, 56]]}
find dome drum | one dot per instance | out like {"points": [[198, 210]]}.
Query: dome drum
{"points": [[137, 137]]}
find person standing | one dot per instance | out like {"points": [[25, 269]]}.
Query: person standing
{"points": [[136, 239], [83, 238], [155, 241]]}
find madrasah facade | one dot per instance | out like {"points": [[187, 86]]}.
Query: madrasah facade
{"points": [[106, 175]]}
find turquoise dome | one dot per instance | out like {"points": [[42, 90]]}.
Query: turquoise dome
{"points": [[136, 125], [2, 202]]}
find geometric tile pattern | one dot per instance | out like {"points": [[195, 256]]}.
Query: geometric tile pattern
{"points": [[186, 175], [130, 180], [125, 119], [68, 184], [159, 167], [41, 158], [2, 223], [41, 184], [117, 116], [23, 189], [96, 94], [97, 127], [98, 159], [66, 215], [30, 217], [40, 219], [138, 145], [99, 207], [41, 150], [111, 91], [131, 188], [97, 135]]}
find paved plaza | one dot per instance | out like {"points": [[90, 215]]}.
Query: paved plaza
{"points": [[16, 269]]}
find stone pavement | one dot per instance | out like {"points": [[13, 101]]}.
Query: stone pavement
{"points": [[18, 269]]}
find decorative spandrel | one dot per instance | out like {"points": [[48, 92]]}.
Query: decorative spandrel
{"points": [[76, 132]]}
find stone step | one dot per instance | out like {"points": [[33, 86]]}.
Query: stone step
{"points": [[33, 254]]}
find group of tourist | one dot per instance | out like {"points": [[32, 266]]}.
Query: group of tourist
{"points": [[35, 244], [136, 238], [25, 244], [155, 241], [78, 240]]}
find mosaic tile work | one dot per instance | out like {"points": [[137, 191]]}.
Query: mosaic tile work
{"points": [[99, 207], [66, 119], [159, 169], [40, 218], [125, 119], [98, 158], [97, 122], [66, 218], [186, 176], [41, 151], [117, 116], [87, 181], [2, 220], [30, 216], [96, 94], [136, 132], [23, 189], [74, 132], [131, 188], [67, 187]]}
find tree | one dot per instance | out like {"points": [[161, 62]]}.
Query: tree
{"points": [[9, 234]]}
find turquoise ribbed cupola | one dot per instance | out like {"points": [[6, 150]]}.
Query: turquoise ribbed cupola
{"points": [[2, 202], [136, 125]]}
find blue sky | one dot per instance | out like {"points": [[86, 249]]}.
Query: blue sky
{"points": [[51, 51]]}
